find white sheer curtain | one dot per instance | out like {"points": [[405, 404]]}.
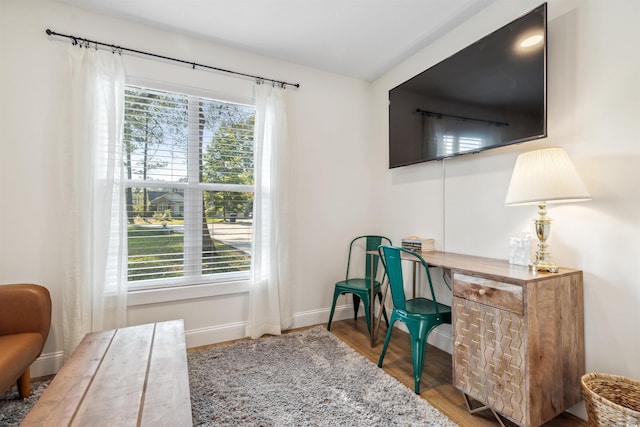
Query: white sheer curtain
{"points": [[270, 308], [94, 251]]}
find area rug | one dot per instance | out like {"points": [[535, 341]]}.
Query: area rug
{"points": [[13, 409], [307, 378]]}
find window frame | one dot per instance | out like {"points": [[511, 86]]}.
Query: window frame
{"points": [[188, 287]]}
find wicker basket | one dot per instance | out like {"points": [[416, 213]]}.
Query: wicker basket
{"points": [[611, 400]]}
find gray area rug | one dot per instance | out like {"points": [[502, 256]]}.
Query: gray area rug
{"points": [[13, 409], [307, 378]]}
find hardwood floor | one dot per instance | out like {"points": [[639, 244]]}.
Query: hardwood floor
{"points": [[436, 387]]}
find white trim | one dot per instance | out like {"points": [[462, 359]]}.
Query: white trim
{"points": [[177, 293], [234, 331], [178, 282], [215, 334], [47, 364], [444, 341]]}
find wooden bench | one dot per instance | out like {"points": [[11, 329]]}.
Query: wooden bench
{"points": [[133, 376]]}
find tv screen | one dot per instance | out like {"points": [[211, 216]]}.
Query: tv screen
{"points": [[490, 94]]}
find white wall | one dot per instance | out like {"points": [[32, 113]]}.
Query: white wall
{"points": [[593, 99], [328, 117], [343, 187]]}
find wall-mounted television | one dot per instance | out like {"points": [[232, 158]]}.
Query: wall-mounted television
{"points": [[490, 94]]}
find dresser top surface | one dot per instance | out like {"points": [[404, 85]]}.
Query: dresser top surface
{"points": [[489, 267]]}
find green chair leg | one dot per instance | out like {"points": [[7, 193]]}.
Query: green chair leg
{"points": [[384, 310], [386, 341], [418, 349], [336, 294], [356, 306]]}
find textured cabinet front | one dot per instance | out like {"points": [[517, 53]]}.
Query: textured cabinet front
{"points": [[489, 356], [519, 345]]}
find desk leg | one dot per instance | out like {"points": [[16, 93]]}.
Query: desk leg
{"points": [[372, 310], [414, 279], [385, 290]]}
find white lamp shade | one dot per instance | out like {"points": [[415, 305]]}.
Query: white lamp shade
{"points": [[545, 175]]}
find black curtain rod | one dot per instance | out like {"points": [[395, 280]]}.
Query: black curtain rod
{"points": [[119, 49], [440, 115]]}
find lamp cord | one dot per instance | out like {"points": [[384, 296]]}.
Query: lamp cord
{"points": [[443, 179]]}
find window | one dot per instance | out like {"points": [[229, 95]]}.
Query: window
{"points": [[452, 135], [453, 144], [188, 188]]}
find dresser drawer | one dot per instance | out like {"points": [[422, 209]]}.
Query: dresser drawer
{"points": [[506, 296]]}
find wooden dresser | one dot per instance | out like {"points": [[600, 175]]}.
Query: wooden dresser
{"points": [[518, 336]]}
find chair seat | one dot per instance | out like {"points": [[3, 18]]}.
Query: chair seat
{"points": [[426, 306], [357, 283]]}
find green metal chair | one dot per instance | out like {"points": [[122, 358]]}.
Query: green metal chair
{"points": [[420, 315], [360, 287]]}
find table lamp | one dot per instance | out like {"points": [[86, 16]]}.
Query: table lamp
{"points": [[543, 177]]}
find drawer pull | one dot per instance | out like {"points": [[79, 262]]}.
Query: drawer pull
{"points": [[458, 343], [482, 291]]}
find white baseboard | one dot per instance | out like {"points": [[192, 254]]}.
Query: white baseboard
{"points": [[442, 340], [234, 331], [214, 334], [318, 317], [50, 363], [47, 364]]}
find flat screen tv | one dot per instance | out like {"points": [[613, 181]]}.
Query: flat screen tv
{"points": [[490, 94]]}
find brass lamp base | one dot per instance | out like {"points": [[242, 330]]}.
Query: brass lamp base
{"points": [[543, 229], [543, 265]]}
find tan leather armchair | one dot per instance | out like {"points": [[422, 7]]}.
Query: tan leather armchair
{"points": [[25, 318]]}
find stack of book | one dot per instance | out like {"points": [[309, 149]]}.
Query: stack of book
{"points": [[417, 244]]}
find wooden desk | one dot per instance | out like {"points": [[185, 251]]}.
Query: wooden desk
{"points": [[135, 376], [518, 336]]}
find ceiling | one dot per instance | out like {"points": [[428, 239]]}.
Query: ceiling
{"points": [[356, 38]]}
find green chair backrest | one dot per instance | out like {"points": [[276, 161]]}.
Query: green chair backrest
{"points": [[392, 261], [371, 244]]}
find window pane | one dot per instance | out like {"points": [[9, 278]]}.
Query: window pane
{"points": [[227, 143], [230, 225], [155, 235], [155, 135]]}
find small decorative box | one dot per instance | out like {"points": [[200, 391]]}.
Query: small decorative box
{"points": [[521, 250], [417, 244]]}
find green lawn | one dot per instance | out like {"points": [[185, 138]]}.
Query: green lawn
{"points": [[156, 252]]}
